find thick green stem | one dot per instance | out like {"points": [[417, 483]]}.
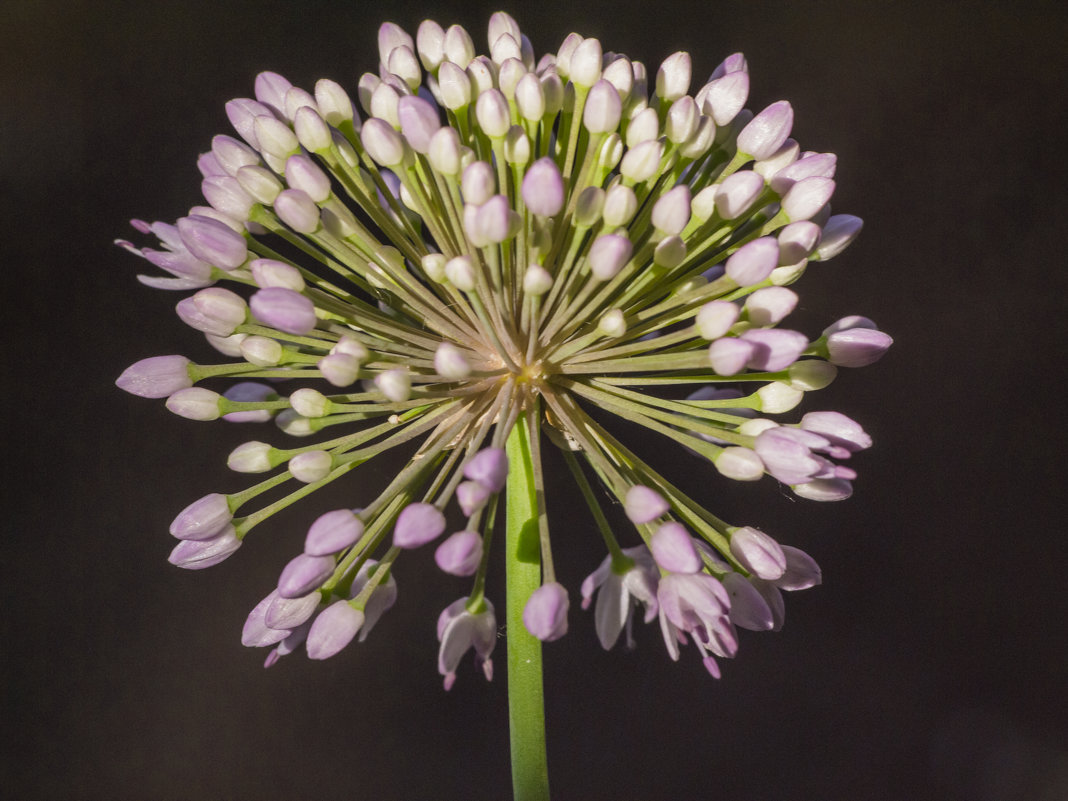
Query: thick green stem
{"points": [[526, 706]]}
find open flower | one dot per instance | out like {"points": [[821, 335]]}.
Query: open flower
{"points": [[485, 244]]}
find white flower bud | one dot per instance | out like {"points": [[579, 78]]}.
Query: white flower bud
{"points": [[308, 402], [250, 457], [612, 323], [395, 384], [311, 466]]}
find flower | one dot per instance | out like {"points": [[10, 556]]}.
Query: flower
{"points": [[486, 242]]}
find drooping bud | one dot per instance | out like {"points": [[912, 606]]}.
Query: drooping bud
{"points": [[488, 467], [333, 629], [644, 505], [673, 549], [545, 613], [460, 554], [418, 524]]}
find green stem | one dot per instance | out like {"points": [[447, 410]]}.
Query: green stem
{"points": [[526, 706]]}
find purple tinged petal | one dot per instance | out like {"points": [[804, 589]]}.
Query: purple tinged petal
{"points": [[724, 96], [195, 403], [545, 613], [203, 518], [801, 571], [729, 355], [232, 155], [270, 89], [213, 310], [460, 554], [753, 261], [806, 198], [333, 532], [225, 194], [489, 467], [418, 524], [797, 241], [284, 309], [603, 108], [824, 489], [820, 165], [715, 318], [773, 598], [419, 122], [787, 455], [256, 633], [242, 113], [303, 574], [643, 504], [289, 613], [213, 242], [847, 323], [766, 132], [543, 188], [770, 305], [838, 233], [608, 255], [673, 549], [304, 174], [737, 194], [857, 347], [459, 630], [333, 629], [748, 607], [209, 165], [156, 376], [248, 391], [774, 349], [838, 428], [382, 142], [298, 211], [758, 553], [182, 264], [472, 496], [671, 212], [199, 554]]}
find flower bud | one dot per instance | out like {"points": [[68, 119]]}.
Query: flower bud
{"points": [[758, 553], [284, 309], [545, 613], [195, 403], [673, 549], [644, 505], [203, 518], [418, 524], [608, 255], [460, 554], [333, 629], [488, 467], [543, 188], [333, 532], [199, 554], [156, 376]]}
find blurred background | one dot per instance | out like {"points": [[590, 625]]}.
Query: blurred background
{"points": [[932, 662]]}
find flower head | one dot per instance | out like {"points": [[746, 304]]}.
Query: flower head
{"points": [[473, 243]]}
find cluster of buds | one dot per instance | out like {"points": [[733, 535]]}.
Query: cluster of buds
{"points": [[500, 241]]}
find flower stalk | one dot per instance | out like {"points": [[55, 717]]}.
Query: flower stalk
{"points": [[526, 704]]}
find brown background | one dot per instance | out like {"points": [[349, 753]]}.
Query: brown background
{"points": [[930, 665]]}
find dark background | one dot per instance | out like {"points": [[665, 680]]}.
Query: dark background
{"points": [[930, 665]]}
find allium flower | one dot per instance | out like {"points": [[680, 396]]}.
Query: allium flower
{"points": [[472, 251]]}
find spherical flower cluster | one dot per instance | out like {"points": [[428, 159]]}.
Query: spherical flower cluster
{"points": [[500, 243]]}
